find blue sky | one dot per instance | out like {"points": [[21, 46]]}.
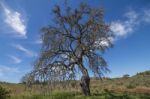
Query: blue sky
{"points": [[21, 21]]}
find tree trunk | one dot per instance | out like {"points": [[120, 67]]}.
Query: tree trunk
{"points": [[85, 81]]}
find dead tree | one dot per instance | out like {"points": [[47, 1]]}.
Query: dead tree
{"points": [[76, 35]]}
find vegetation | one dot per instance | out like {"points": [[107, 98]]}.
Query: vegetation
{"points": [[135, 87], [4, 94], [77, 35]]}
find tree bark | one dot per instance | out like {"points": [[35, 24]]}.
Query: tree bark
{"points": [[85, 82]]}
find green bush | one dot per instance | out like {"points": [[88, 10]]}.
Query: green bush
{"points": [[4, 94], [63, 95], [130, 86]]}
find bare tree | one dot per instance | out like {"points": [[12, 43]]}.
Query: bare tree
{"points": [[76, 35], [28, 79]]}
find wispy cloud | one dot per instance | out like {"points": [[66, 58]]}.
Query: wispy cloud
{"points": [[7, 69], [25, 50], [38, 41], [123, 28], [15, 21], [105, 42], [134, 19], [146, 16], [15, 59]]}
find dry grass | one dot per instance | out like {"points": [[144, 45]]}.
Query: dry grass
{"points": [[136, 87]]}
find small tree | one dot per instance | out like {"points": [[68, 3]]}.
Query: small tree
{"points": [[126, 76], [76, 36], [4, 94], [28, 79]]}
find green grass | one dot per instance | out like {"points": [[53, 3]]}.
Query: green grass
{"points": [[72, 95], [136, 87], [65, 94]]}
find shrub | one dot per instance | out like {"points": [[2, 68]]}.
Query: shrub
{"points": [[131, 86], [126, 76], [4, 94]]}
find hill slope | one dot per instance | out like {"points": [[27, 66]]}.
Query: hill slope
{"points": [[135, 87]]}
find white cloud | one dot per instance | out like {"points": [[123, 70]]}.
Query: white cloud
{"points": [[15, 59], [131, 15], [105, 42], [146, 16], [123, 28], [26, 51], [7, 69], [118, 28], [14, 20], [38, 41]]}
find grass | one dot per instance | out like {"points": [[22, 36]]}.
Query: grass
{"points": [[19, 91], [72, 95], [136, 87]]}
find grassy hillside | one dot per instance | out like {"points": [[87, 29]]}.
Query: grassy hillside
{"points": [[135, 87]]}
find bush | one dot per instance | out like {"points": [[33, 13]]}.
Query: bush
{"points": [[4, 94], [126, 76], [63, 95], [131, 86]]}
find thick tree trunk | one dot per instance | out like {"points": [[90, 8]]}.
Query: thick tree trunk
{"points": [[85, 81]]}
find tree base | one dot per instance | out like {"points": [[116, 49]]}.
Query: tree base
{"points": [[85, 81]]}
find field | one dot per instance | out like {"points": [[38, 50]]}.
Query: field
{"points": [[135, 87]]}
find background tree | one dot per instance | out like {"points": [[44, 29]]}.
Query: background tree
{"points": [[77, 36], [28, 79], [126, 76], [4, 94]]}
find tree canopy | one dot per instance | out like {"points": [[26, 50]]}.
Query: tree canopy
{"points": [[78, 35]]}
